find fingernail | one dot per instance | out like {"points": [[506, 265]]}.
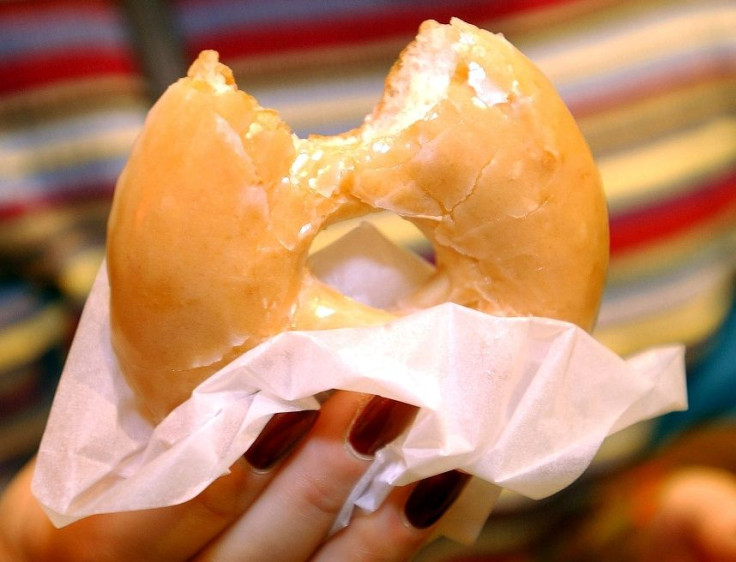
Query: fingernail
{"points": [[432, 497], [282, 432], [381, 421]]}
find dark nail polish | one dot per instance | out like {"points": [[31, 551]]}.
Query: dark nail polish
{"points": [[381, 421], [282, 432], [432, 497]]}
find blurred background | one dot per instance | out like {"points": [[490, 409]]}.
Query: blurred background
{"points": [[652, 84]]}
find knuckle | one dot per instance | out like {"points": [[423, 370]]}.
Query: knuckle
{"points": [[322, 495], [227, 497], [322, 492]]}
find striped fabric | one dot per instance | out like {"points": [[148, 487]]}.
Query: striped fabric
{"points": [[652, 84], [71, 103]]}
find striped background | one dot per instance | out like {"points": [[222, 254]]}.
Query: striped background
{"points": [[652, 84], [71, 102]]}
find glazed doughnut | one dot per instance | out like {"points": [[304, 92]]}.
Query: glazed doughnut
{"points": [[219, 203]]}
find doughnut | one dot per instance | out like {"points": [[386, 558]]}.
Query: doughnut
{"points": [[217, 207]]}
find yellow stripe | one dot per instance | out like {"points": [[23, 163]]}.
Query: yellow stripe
{"points": [[27, 341], [68, 151], [534, 30], [44, 223], [662, 166], [71, 96], [632, 123], [79, 272], [690, 324]]}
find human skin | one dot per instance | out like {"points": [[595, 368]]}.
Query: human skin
{"points": [[696, 517], [282, 514]]}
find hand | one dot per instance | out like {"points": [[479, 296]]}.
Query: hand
{"points": [[695, 519], [283, 509]]}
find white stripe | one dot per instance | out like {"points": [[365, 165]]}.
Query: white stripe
{"points": [[668, 166], [663, 294], [597, 50], [15, 165]]}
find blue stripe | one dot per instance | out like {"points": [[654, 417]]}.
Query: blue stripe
{"points": [[715, 251], [328, 127], [63, 179], [669, 65], [46, 32], [217, 16], [17, 303]]}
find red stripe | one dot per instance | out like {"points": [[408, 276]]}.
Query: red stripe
{"points": [[350, 29], [78, 194], [22, 389], [676, 216], [45, 68], [32, 9]]}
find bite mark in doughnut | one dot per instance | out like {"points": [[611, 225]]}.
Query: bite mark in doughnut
{"points": [[219, 203]]}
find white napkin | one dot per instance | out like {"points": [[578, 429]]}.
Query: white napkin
{"points": [[520, 403]]}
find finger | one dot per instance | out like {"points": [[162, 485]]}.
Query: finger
{"points": [[143, 535], [293, 516], [697, 516], [400, 527], [171, 533]]}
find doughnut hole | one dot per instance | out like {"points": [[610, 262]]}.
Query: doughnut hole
{"points": [[376, 260]]}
